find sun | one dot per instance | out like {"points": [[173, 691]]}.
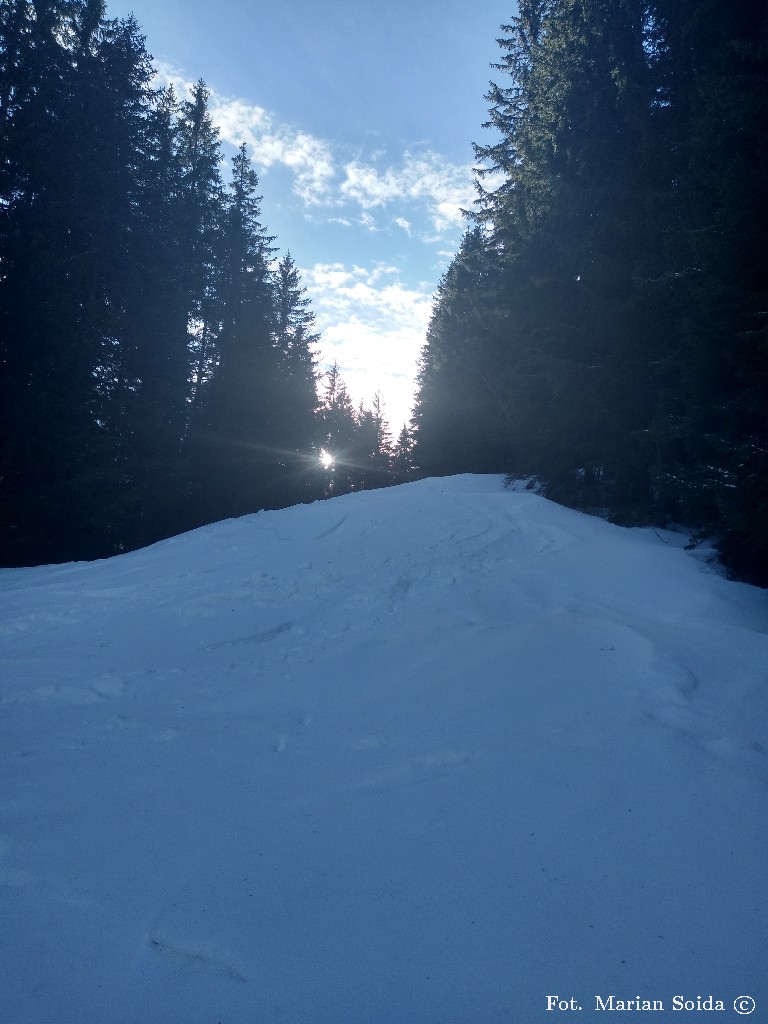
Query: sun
{"points": [[326, 459]]}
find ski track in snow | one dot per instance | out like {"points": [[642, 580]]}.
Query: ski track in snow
{"points": [[417, 755]]}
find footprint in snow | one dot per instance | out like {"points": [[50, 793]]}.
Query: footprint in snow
{"points": [[95, 691], [417, 769], [196, 956], [167, 736]]}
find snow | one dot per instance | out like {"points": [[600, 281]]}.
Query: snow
{"points": [[423, 755]]}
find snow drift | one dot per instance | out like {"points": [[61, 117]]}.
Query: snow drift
{"points": [[426, 755]]}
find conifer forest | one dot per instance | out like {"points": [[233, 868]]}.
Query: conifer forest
{"points": [[603, 328]]}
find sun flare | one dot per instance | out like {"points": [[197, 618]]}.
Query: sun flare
{"points": [[326, 459]]}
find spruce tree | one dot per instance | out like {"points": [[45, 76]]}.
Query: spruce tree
{"points": [[615, 303], [463, 417], [337, 434], [574, 223], [155, 372], [235, 426], [294, 339], [69, 198], [711, 428], [402, 456], [380, 474]]}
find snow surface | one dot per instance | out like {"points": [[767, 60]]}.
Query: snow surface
{"points": [[423, 755]]}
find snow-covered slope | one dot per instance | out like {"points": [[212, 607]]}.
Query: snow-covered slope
{"points": [[425, 755]]}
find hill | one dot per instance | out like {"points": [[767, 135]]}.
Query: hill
{"points": [[425, 754]]}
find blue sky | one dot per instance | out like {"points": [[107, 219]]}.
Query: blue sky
{"points": [[360, 119]]}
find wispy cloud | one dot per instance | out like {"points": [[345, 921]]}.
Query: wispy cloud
{"points": [[339, 291], [371, 322], [425, 178], [351, 191], [311, 160]]}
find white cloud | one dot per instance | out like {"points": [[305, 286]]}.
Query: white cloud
{"points": [[375, 327], [310, 159], [423, 182], [374, 293], [425, 178], [365, 220]]}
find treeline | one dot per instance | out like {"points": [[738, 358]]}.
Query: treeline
{"points": [[604, 326], [357, 450], [157, 360]]}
